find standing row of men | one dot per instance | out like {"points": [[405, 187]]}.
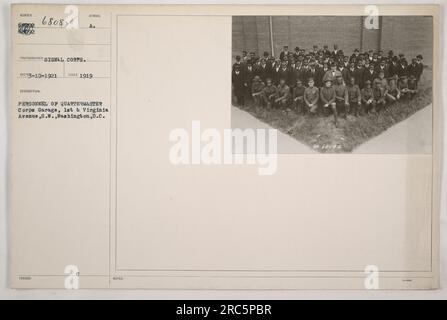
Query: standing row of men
{"points": [[320, 81]]}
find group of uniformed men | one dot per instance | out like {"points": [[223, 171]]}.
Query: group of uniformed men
{"points": [[321, 80]]}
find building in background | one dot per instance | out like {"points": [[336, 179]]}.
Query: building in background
{"points": [[410, 35]]}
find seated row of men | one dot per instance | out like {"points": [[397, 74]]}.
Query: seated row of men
{"points": [[334, 95]]}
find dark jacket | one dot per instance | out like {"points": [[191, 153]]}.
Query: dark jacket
{"points": [[284, 74], [419, 70], [367, 75], [345, 75], [238, 81], [402, 71], [327, 95], [312, 74], [263, 72], [249, 75]]}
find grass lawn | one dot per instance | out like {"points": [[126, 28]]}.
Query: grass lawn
{"points": [[321, 134]]}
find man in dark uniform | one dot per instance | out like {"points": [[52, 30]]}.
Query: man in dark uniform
{"points": [[380, 56], [369, 75], [368, 98], [284, 72], [292, 63], [311, 97], [263, 70], [249, 74], [403, 87], [312, 72], [321, 72], [401, 57], [382, 81], [302, 71], [327, 97], [379, 97], [412, 68], [239, 85], [358, 73], [351, 70], [393, 66], [344, 72], [325, 51], [238, 63], [355, 55], [283, 98], [402, 69], [382, 68], [252, 56], [298, 96], [269, 93], [296, 53], [265, 55], [419, 67], [354, 97], [257, 88], [292, 75], [271, 62], [275, 72], [390, 56], [340, 57], [341, 96], [332, 74], [320, 62], [412, 86], [393, 92], [346, 62], [245, 58], [366, 65], [284, 53], [375, 61]]}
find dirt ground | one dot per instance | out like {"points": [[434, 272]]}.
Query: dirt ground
{"points": [[322, 135]]}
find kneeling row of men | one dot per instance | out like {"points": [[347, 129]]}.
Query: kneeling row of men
{"points": [[334, 95]]}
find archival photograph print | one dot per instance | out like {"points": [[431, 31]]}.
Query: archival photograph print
{"points": [[335, 84]]}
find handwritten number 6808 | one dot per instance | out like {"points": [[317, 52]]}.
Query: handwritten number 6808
{"points": [[50, 21]]}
